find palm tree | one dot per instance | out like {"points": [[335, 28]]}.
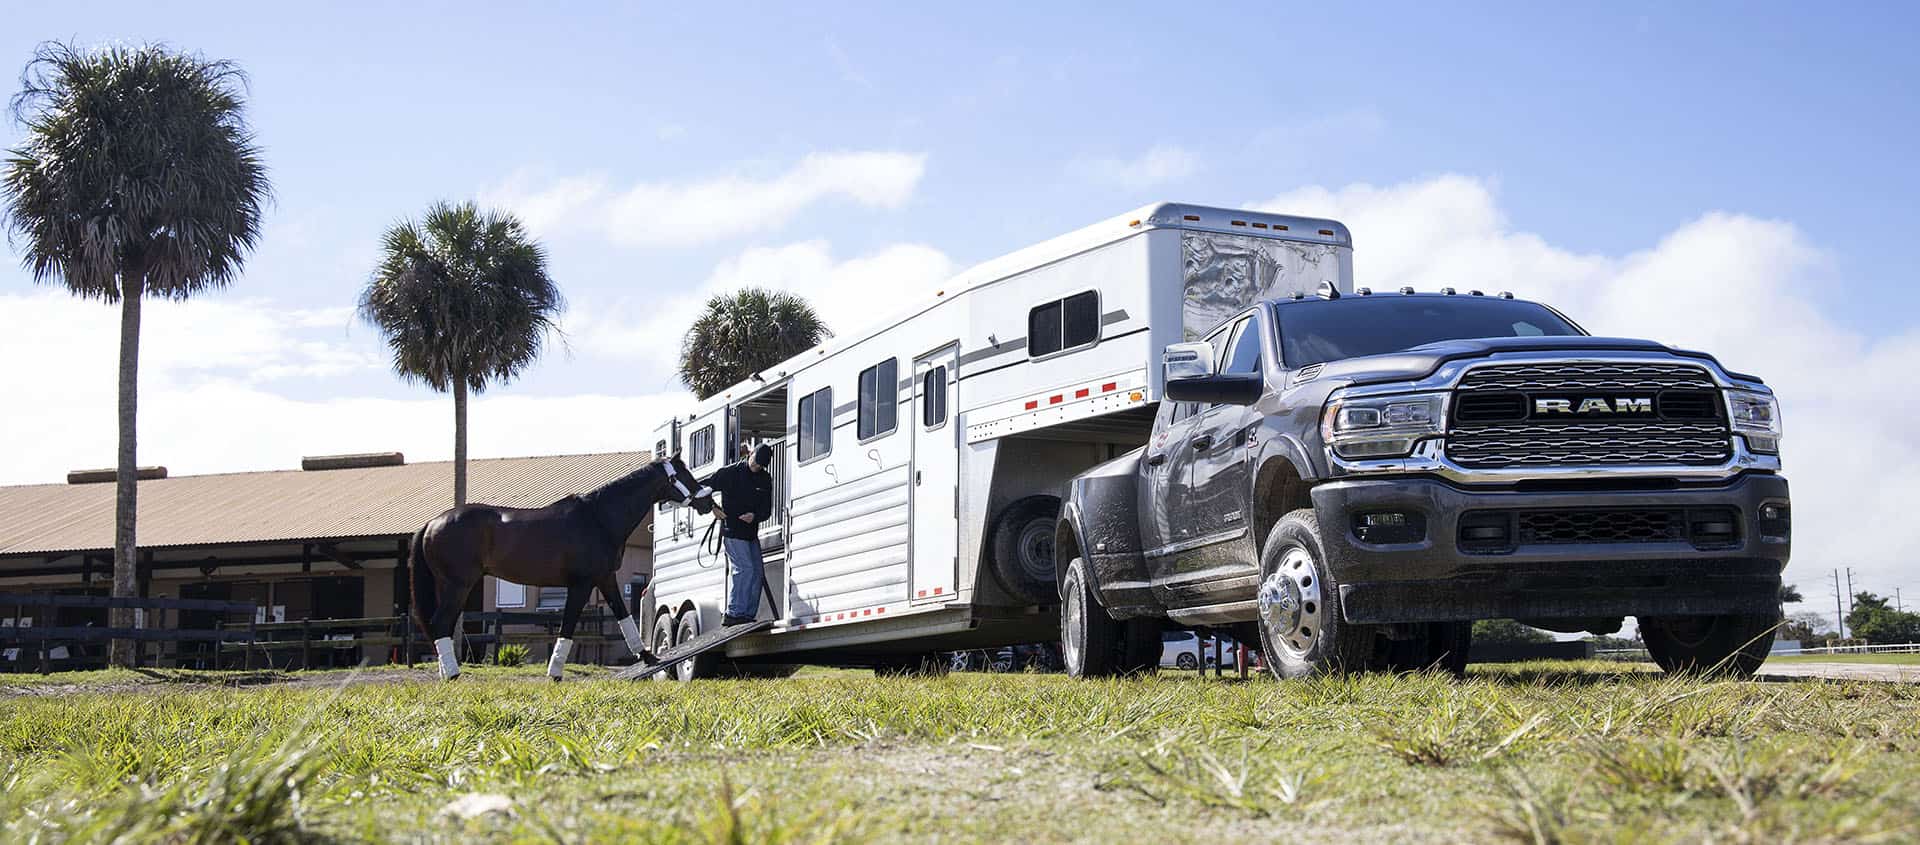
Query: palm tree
{"points": [[464, 299], [138, 177], [743, 333]]}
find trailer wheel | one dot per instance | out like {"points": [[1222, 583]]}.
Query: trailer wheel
{"points": [[696, 667], [1095, 645], [1023, 548], [663, 630], [1730, 645], [1301, 630]]}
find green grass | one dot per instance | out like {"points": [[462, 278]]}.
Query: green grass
{"points": [[1899, 659], [1536, 752]]}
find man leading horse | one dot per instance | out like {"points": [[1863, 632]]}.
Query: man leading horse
{"points": [[574, 543], [746, 500]]}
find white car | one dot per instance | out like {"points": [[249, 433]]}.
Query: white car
{"points": [[1185, 650]]}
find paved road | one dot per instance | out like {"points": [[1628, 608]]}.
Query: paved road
{"points": [[1843, 671]]}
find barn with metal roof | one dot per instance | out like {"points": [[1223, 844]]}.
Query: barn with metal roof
{"points": [[323, 542]]}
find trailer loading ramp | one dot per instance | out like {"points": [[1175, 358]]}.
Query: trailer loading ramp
{"points": [[690, 649]]}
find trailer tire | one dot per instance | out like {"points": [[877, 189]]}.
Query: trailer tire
{"points": [[1095, 645], [663, 631], [1023, 549], [1730, 645], [1302, 633], [694, 668]]}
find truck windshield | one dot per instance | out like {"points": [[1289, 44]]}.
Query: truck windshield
{"points": [[1315, 331]]}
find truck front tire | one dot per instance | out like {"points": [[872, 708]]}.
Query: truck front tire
{"points": [[1095, 645], [1301, 632], [1730, 645], [1023, 548]]}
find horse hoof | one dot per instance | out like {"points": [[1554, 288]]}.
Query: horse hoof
{"points": [[555, 679]]}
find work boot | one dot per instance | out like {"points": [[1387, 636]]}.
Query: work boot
{"points": [[730, 621]]}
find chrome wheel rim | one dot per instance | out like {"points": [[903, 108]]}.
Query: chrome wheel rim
{"points": [[1073, 617], [1290, 602]]}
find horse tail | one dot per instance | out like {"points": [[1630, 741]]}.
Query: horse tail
{"points": [[425, 602]]}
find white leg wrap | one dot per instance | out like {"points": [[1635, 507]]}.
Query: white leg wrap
{"points": [[449, 665], [558, 663], [632, 632]]}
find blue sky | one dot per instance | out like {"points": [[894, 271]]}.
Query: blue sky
{"points": [[660, 151]]}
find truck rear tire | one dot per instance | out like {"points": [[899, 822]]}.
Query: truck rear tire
{"points": [[1023, 549], [1301, 631], [1095, 645], [1730, 645]]}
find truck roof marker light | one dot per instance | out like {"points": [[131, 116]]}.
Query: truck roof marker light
{"points": [[1506, 294], [1446, 291], [1365, 291], [1193, 217], [1475, 293], [1328, 292], [1297, 296], [1407, 291]]}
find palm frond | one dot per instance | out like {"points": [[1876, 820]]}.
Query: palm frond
{"points": [[743, 333]]}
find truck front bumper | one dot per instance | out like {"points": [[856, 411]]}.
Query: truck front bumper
{"points": [[1511, 554]]}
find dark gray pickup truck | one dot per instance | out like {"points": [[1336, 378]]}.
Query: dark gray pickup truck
{"points": [[1354, 479]]}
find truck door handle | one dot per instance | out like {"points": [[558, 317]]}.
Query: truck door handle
{"points": [[1203, 442], [1157, 458]]}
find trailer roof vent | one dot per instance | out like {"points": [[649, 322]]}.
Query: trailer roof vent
{"points": [[359, 461], [108, 475]]}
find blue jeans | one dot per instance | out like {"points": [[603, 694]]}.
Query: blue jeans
{"points": [[743, 598]]}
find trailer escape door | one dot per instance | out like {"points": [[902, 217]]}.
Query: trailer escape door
{"points": [[936, 475]]}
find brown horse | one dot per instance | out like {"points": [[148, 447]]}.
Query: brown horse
{"points": [[573, 543]]}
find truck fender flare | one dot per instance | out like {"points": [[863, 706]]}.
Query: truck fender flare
{"points": [[1070, 524]]}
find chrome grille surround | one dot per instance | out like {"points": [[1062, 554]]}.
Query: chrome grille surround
{"points": [[1587, 442]]}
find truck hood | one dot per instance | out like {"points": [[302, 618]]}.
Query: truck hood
{"points": [[1420, 361]]}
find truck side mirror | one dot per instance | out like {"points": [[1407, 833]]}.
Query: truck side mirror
{"points": [[1228, 389], [1187, 360]]}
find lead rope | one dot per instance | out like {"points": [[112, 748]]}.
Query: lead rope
{"points": [[709, 545]]}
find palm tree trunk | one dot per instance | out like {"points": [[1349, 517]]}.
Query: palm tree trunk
{"points": [[125, 485], [459, 441]]}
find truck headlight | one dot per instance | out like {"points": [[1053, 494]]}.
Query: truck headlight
{"points": [[1755, 416], [1382, 426]]}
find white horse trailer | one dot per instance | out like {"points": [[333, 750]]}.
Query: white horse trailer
{"points": [[920, 461]]}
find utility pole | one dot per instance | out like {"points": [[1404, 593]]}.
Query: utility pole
{"points": [[1849, 589], [1839, 614], [1897, 606]]}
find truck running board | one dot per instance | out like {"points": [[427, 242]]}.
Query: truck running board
{"points": [[690, 649]]}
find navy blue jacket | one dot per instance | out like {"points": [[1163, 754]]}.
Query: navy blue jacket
{"points": [[742, 491]]}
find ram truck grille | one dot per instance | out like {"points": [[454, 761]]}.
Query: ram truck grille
{"points": [[1590, 413], [1502, 531]]}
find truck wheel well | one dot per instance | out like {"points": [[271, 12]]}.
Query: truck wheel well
{"points": [[1066, 547], [1277, 491]]}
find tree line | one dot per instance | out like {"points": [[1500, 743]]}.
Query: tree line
{"points": [[139, 177]]}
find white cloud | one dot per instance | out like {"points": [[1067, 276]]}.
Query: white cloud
{"points": [[690, 213], [848, 295], [212, 399], [1745, 289], [1164, 164]]}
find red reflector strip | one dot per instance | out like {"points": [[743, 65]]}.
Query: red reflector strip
{"points": [[1032, 404], [922, 594], [1057, 399], [1109, 387], [939, 590], [1082, 393]]}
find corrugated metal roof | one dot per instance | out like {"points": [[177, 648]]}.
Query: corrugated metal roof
{"points": [[252, 507]]}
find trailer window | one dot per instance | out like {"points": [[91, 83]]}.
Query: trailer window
{"points": [[816, 424], [879, 399], [933, 405], [701, 448], [1063, 324]]}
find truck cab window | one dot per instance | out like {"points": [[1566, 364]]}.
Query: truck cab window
{"points": [[1243, 353]]}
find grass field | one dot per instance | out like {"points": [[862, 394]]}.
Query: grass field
{"points": [[1895, 659], [1563, 752]]}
